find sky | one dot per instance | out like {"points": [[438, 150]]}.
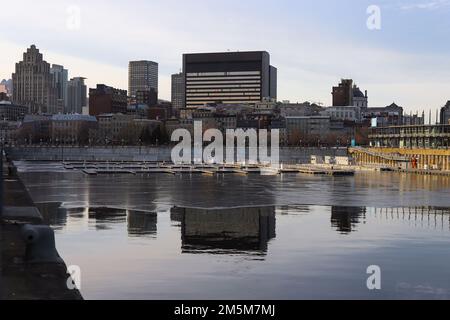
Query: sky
{"points": [[312, 43]]}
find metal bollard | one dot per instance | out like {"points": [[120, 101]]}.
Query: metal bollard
{"points": [[40, 241]]}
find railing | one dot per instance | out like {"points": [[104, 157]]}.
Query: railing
{"points": [[381, 155]]}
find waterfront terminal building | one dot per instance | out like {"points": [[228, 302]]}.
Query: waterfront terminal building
{"points": [[415, 147], [417, 136]]}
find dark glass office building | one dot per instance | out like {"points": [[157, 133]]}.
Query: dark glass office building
{"points": [[229, 77]]}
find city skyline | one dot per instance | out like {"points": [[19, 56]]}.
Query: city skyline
{"points": [[224, 159], [401, 62]]}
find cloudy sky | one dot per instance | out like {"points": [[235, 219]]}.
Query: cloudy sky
{"points": [[313, 43]]}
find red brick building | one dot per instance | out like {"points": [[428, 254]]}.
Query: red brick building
{"points": [[104, 99]]}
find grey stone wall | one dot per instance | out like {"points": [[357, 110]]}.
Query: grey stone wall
{"points": [[151, 154]]}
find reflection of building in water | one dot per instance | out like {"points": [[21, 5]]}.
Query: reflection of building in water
{"points": [[103, 217], [60, 217], [139, 223], [419, 217], [52, 213], [142, 223], [239, 229], [293, 210], [345, 219], [107, 214]]}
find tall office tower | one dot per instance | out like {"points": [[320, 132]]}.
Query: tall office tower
{"points": [[228, 77], [76, 95], [273, 83], [142, 76], [33, 84], [60, 78], [178, 86], [104, 99]]}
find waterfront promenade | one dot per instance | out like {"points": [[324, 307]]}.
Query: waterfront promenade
{"points": [[24, 274]]}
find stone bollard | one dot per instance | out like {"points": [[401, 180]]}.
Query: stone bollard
{"points": [[40, 244], [12, 170]]}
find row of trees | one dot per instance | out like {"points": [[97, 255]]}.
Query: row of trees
{"points": [[132, 134], [138, 134], [360, 135], [298, 139]]}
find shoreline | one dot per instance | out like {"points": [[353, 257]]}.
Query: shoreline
{"points": [[23, 277]]}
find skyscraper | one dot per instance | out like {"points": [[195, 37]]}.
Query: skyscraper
{"points": [[178, 86], [273, 83], [142, 76], [76, 95], [60, 78], [228, 77], [33, 84]]}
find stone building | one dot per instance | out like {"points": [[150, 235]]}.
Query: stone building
{"points": [[33, 83], [71, 128]]}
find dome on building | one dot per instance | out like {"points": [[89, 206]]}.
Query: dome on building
{"points": [[357, 93]]}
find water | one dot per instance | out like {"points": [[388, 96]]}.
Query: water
{"points": [[237, 237]]}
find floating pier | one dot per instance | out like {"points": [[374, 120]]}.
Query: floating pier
{"points": [[114, 168]]}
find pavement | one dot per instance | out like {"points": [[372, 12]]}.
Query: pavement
{"points": [[21, 279]]}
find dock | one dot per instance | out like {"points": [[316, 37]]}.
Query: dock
{"points": [[135, 168], [317, 170]]}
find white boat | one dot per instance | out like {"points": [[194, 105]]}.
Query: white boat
{"points": [[269, 171]]}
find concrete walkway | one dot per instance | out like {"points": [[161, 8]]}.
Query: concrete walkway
{"points": [[19, 279]]}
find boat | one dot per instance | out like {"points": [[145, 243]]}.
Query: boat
{"points": [[269, 171]]}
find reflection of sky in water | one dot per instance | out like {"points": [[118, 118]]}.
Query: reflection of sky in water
{"points": [[288, 251]]}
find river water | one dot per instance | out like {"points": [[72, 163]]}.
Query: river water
{"points": [[248, 237]]}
